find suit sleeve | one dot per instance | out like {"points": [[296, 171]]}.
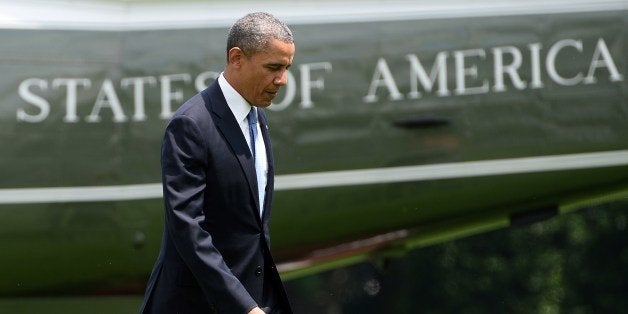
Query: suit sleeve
{"points": [[183, 165]]}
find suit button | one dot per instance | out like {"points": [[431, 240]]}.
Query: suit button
{"points": [[258, 271]]}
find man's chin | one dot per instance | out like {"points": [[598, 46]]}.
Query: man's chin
{"points": [[264, 104]]}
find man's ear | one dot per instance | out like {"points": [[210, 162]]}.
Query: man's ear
{"points": [[235, 56]]}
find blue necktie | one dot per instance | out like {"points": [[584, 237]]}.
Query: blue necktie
{"points": [[252, 117]]}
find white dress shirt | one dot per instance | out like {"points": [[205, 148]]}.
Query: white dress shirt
{"points": [[240, 109]]}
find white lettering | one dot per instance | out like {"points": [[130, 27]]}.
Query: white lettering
{"points": [[201, 81], [535, 59], [138, 94], [472, 71], [168, 95], [107, 98], [462, 72], [307, 84], [382, 77], [601, 50], [550, 62], [418, 74], [37, 101], [500, 69], [71, 92]]}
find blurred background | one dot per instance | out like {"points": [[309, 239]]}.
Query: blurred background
{"points": [[572, 264]]}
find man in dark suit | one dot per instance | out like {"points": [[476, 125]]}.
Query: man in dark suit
{"points": [[217, 172]]}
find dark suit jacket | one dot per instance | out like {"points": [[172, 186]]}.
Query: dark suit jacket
{"points": [[215, 253]]}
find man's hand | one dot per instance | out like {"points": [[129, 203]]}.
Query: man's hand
{"points": [[256, 310]]}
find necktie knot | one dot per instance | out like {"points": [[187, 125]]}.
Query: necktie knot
{"points": [[252, 116]]}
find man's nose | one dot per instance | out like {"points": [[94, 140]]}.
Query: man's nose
{"points": [[281, 79]]}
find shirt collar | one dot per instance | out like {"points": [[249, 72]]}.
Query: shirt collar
{"points": [[238, 105]]}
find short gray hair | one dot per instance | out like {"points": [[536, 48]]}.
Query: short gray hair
{"points": [[253, 32]]}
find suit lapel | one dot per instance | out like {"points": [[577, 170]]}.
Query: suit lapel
{"points": [[230, 129]]}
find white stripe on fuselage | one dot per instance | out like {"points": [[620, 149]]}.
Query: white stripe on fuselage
{"points": [[103, 16], [337, 178]]}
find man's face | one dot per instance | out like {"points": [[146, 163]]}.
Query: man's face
{"points": [[263, 73]]}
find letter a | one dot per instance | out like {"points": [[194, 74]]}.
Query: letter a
{"points": [[382, 77]]}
